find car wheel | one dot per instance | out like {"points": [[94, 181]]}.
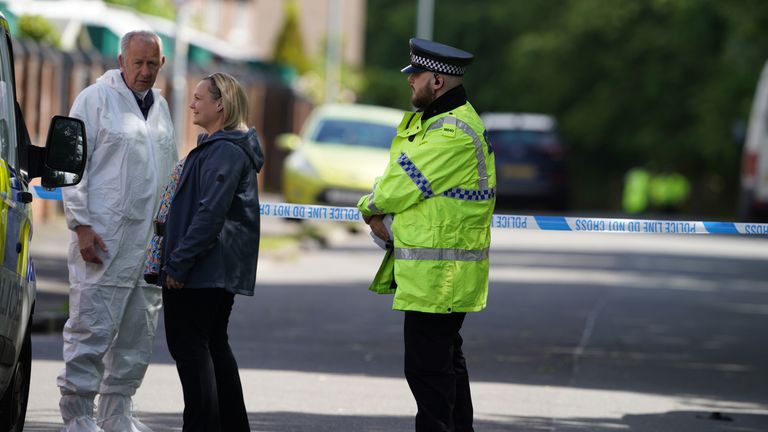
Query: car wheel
{"points": [[13, 406]]}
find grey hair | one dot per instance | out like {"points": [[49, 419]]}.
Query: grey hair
{"points": [[143, 34]]}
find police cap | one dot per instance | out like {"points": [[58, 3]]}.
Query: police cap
{"points": [[431, 56]]}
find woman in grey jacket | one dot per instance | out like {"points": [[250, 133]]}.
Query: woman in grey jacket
{"points": [[209, 250]]}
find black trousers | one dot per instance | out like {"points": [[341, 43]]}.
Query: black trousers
{"points": [[196, 322], [437, 372]]}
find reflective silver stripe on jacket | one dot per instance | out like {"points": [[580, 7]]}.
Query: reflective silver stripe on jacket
{"points": [[482, 169], [438, 254], [372, 207]]}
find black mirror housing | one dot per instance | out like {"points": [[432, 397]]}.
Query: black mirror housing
{"points": [[64, 156]]}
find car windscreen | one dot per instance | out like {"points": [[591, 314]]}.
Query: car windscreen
{"points": [[354, 132], [512, 140]]}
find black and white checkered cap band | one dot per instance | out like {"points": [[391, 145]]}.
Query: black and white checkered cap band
{"points": [[436, 66]]}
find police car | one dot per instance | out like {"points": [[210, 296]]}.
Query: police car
{"points": [[60, 163]]}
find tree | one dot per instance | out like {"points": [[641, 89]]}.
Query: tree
{"points": [[39, 29], [632, 83], [161, 8], [289, 49]]}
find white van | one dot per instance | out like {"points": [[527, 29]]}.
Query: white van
{"points": [[753, 197]]}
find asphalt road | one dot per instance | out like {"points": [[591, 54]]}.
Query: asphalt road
{"points": [[583, 332]]}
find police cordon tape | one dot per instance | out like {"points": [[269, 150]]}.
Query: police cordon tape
{"points": [[520, 222], [46, 194]]}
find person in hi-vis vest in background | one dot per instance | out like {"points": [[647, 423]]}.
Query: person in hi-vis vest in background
{"points": [[439, 189]]}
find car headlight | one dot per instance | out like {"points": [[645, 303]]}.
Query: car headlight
{"points": [[301, 164]]}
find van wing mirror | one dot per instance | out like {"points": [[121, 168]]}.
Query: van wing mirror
{"points": [[65, 153]]}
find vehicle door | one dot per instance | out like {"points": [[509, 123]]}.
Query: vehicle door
{"points": [[15, 219]]}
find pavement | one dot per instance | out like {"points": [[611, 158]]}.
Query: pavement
{"points": [[50, 240]]}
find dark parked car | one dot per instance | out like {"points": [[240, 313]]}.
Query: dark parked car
{"points": [[530, 161]]}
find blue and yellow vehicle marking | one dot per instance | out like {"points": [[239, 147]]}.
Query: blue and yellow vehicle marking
{"points": [[16, 284]]}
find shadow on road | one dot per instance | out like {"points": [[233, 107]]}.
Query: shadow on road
{"points": [[673, 324], [303, 422]]}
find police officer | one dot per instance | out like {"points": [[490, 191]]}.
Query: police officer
{"points": [[440, 186]]}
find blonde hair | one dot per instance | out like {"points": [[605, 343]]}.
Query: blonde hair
{"points": [[225, 87]]}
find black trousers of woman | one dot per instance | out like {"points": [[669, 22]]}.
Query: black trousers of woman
{"points": [[437, 372], [196, 322]]}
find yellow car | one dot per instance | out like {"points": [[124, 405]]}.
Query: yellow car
{"points": [[340, 152]]}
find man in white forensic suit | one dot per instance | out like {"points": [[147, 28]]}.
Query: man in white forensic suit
{"points": [[113, 313]]}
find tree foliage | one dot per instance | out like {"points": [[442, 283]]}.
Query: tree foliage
{"points": [[161, 8], [289, 49], [642, 82], [39, 29]]}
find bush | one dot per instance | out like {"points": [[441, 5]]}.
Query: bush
{"points": [[39, 29]]}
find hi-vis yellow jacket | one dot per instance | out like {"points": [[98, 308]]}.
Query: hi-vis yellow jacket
{"points": [[440, 186]]}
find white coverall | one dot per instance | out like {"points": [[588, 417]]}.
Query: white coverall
{"points": [[113, 313]]}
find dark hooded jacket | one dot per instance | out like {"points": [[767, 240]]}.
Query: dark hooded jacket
{"points": [[211, 234]]}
